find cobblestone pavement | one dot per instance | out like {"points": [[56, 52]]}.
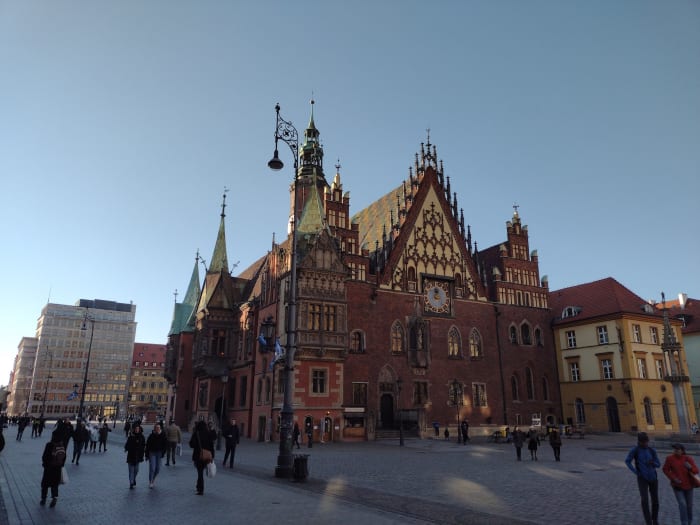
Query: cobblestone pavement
{"points": [[426, 481]]}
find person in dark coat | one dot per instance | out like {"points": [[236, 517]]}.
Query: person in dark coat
{"points": [[555, 443], [80, 437], [533, 442], [156, 446], [233, 437], [103, 433], [518, 441], [135, 448], [201, 439], [465, 431], [52, 471], [295, 435]]}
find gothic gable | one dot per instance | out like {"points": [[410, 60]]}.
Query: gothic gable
{"points": [[430, 244]]}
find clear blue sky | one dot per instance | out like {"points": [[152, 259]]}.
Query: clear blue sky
{"points": [[122, 122]]}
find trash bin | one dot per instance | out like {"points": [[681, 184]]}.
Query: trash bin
{"points": [[300, 469]]}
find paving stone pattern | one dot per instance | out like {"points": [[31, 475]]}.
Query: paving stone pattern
{"points": [[426, 481]]}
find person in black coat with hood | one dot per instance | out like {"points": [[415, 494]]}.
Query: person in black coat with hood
{"points": [[135, 448], [52, 468], [201, 439]]}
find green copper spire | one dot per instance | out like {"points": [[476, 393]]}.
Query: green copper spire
{"points": [[219, 261], [194, 287], [312, 216]]}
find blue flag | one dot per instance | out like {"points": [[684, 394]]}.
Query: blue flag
{"points": [[72, 395], [263, 342]]}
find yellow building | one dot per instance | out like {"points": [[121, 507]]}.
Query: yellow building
{"points": [[622, 365], [148, 389]]}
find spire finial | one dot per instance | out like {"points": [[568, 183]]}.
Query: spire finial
{"points": [[427, 131], [515, 209], [337, 166], [175, 294], [223, 204]]}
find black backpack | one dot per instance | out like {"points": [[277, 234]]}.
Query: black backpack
{"points": [[58, 455]]}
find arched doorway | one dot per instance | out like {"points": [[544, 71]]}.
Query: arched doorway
{"points": [[386, 406], [613, 414]]}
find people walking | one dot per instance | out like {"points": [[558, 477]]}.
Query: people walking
{"points": [[233, 437], [156, 446], [201, 440], [518, 442], [174, 437], [646, 461], [94, 437], [53, 459], [104, 432], [295, 435], [533, 441], [555, 443], [135, 447], [681, 469], [127, 428], [464, 428], [80, 437]]}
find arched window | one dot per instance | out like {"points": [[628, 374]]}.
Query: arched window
{"points": [[454, 343], [513, 335], [357, 343], [397, 338], [529, 383], [648, 415], [514, 388], [580, 412], [525, 334], [476, 349], [545, 389], [667, 413], [538, 337]]}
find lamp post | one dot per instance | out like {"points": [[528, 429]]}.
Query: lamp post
{"points": [[116, 412], [268, 330], [457, 400], [46, 386], [287, 133], [224, 380], [87, 362], [399, 382]]}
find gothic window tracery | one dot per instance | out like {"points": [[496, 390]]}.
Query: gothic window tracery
{"points": [[454, 343], [476, 350], [397, 338]]}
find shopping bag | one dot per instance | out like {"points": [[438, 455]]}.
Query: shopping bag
{"points": [[211, 469], [64, 476], [178, 449]]}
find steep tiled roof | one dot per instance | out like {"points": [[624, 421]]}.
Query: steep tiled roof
{"points": [[374, 218], [595, 299]]}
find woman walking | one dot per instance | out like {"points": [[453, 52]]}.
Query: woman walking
{"points": [[202, 445], [135, 447], [156, 446], [532, 444], [518, 442], [680, 469]]}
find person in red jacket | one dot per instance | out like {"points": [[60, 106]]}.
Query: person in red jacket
{"points": [[680, 469]]}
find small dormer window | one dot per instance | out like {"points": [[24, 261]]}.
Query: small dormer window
{"points": [[648, 309], [570, 311]]}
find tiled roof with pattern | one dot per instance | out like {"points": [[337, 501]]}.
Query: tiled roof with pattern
{"points": [[374, 218]]}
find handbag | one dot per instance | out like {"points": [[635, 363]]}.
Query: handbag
{"points": [[205, 455], [64, 476], [211, 469]]}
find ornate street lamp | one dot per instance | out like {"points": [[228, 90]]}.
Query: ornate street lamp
{"points": [[287, 133], [87, 362], [224, 380], [399, 382], [457, 402]]}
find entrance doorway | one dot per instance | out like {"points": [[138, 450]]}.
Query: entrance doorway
{"points": [[613, 414], [386, 407], [262, 428]]}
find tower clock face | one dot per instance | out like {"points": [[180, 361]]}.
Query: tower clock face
{"points": [[437, 297]]}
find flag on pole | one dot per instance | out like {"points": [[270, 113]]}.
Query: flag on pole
{"points": [[72, 395]]}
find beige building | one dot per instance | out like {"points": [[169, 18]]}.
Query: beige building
{"points": [[622, 365], [21, 378], [93, 336]]}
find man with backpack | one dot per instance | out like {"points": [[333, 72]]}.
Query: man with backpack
{"points": [[643, 461], [53, 459]]}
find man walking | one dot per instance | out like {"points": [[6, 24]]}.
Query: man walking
{"points": [[645, 464], [174, 437], [232, 435]]}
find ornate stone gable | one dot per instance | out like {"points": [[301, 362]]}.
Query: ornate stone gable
{"points": [[433, 247]]}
